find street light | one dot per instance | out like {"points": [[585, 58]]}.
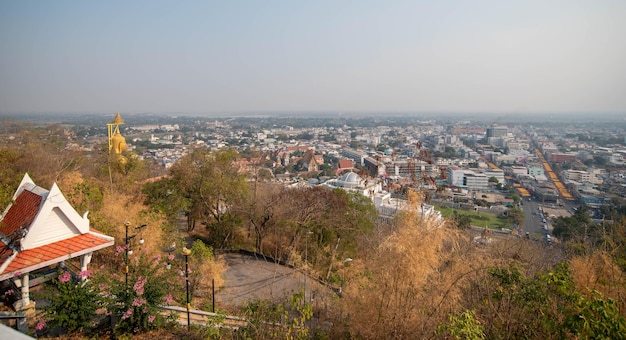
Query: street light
{"points": [[306, 251], [127, 249], [343, 273], [186, 252]]}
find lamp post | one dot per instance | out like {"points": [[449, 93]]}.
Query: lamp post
{"points": [[343, 273], [306, 263], [127, 249], [186, 252]]}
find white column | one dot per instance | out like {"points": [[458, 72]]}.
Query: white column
{"points": [[25, 301], [84, 261]]}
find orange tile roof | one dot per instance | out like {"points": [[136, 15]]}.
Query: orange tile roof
{"points": [[5, 252], [65, 249], [22, 212], [345, 164]]}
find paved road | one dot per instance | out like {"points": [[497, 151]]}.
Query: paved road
{"points": [[248, 278], [532, 218]]}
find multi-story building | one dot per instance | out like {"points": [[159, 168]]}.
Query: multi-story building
{"points": [[357, 156], [558, 157], [455, 176], [497, 173], [581, 176], [535, 169], [497, 131], [518, 170], [475, 181], [516, 145], [548, 146], [468, 179]]}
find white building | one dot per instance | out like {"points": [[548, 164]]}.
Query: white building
{"points": [[389, 207], [475, 181], [353, 182], [455, 176], [498, 174], [535, 169]]}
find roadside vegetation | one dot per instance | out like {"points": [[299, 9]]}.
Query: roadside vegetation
{"points": [[406, 279]]}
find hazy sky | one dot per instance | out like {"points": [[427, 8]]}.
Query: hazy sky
{"points": [[263, 55]]}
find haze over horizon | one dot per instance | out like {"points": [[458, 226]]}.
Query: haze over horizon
{"points": [[322, 56]]}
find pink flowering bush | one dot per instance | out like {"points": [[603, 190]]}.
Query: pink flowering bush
{"points": [[138, 304], [41, 324], [73, 305], [65, 277]]}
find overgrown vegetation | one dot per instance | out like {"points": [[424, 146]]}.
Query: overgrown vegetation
{"points": [[406, 279]]}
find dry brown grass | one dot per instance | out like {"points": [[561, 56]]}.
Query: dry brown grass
{"points": [[410, 276], [420, 274], [599, 272]]}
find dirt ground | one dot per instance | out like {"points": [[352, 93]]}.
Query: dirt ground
{"points": [[248, 278], [553, 213]]}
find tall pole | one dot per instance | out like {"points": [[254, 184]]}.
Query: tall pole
{"points": [[306, 251], [306, 260], [343, 277], [343, 273], [126, 252], [186, 253], [187, 285]]}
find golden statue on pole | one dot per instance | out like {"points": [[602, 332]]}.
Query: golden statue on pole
{"points": [[117, 142]]}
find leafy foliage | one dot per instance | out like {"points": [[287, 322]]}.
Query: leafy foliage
{"points": [[137, 302], [545, 304], [464, 326], [210, 184], [203, 268], [269, 320], [74, 305], [461, 221], [578, 227]]}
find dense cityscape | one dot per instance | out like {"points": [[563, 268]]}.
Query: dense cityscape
{"points": [[313, 170], [559, 163]]}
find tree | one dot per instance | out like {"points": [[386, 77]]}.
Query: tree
{"points": [[212, 185], [461, 221], [204, 269], [259, 209], [493, 179], [577, 227], [450, 152], [165, 196], [600, 160], [9, 176], [464, 326], [515, 215]]}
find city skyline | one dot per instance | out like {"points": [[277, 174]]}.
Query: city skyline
{"points": [[399, 56]]}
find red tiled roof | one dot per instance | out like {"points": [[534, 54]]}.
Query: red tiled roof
{"points": [[345, 164], [66, 249], [22, 212], [5, 252]]}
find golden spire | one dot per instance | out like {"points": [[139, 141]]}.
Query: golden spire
{"points": [[117, 120]]}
